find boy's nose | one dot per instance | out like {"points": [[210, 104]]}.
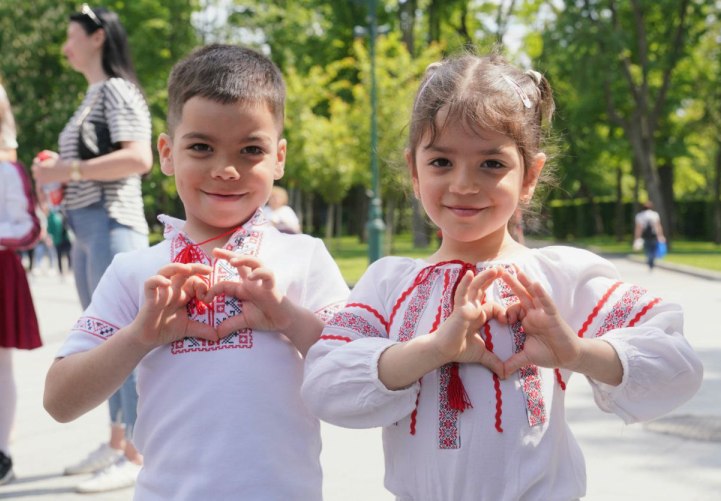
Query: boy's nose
{"points": [[226, 171]]}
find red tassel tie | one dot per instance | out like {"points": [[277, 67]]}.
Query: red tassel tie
{"points": [[192, 253], [457, 396]]}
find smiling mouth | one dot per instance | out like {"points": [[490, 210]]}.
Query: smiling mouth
{"points": [[464, 211], [225, 196]]}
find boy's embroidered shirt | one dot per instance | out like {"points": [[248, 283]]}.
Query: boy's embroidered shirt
{"points": [[230, 409], [436, 452]]}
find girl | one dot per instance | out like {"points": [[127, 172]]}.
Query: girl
{"points": [[19, 229], [463, 357], [104, 149]]}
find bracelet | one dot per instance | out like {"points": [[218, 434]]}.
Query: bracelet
{"points": [[75, 174]]}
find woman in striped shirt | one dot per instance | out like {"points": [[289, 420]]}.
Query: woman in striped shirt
{"points": [[103, 200]]}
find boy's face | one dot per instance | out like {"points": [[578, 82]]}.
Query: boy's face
{"points": [[225, 158]]}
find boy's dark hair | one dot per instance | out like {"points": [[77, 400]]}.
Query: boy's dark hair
{"points": [[226, 74], [116, 50]]}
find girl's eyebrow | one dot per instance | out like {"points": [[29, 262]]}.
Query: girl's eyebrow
{"points": [[498, 150]]}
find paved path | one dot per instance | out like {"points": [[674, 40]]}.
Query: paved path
{"points": [[623, 462]]}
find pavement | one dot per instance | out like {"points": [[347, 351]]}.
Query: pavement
{"points": [[675, 458]]}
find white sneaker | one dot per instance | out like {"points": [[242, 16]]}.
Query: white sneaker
{"points": [[118, 475], [100, 458]]}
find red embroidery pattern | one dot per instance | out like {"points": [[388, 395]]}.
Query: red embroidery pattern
{"points": [[243, 242], [371, 310], [327, 312], [621, 310], [448, 434], [331, 337], [96, 327], [530, 376], [356, 323], [645, 310], [597, 308], [242, 339], [496, 379], [415, 309]]}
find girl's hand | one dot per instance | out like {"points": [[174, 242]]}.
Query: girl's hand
{"points": [[458, 338], [550, 341], [163, 318], [262, 302]]}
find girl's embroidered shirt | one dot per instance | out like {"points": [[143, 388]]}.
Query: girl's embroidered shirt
{"points": [[434, 451]]}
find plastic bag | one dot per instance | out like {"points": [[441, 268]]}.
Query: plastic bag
{"points": [[661, 250], [638, 244]]}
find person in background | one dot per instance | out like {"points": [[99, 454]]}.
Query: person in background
{"points": [[648, 229], [58, 231], [279, 213], [45, 246], [19, 230], [104, 149]]}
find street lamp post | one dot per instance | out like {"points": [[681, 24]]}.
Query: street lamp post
{"points": [[375, 225]]}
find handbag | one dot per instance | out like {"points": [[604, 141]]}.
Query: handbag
{"points": [[661, 250], [94, 135]]}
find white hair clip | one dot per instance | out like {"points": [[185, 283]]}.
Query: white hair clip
{"points": [[524, 97]]}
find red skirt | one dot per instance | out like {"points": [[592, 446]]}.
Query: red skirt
{"points": [[18, 323]]}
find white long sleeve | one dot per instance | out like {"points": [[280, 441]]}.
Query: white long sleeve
{"points": [[516, 428]]}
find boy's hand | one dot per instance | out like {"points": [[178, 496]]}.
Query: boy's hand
{"points": [[550, 341], [262, 302], [458, 338], [163, 318]]}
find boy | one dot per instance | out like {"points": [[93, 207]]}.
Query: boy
{"points": [[219, 412]]}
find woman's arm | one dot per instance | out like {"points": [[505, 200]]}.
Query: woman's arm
{"points": [[134, 157]]}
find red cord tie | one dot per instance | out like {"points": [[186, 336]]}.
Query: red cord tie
{"points": [[457, 397], [192, 253]]}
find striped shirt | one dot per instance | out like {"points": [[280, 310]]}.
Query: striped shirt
{"points": [[121, 105]]}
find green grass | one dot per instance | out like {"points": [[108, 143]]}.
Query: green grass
{"points": [[352, 256], [705, 255]]}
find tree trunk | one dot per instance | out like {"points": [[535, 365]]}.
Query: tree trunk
{"points": [[329, 220], [620, 219], [309, 216], [407, 18], [665, 174], [717, 198], [421, 231]]}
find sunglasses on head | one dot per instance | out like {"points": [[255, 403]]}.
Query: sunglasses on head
{"points": [[87, 11]]}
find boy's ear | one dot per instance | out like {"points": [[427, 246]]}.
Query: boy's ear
{"points": [[413, 172], [531, 178], [280, 159], [165, 152]]}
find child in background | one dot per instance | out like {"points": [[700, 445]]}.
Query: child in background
{"points": [[279, 213], [219, 414], [464, 357], [19, 230]]}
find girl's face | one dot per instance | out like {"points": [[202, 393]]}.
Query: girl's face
{"points": [[83, 50], [470, 183], [225, 158]]}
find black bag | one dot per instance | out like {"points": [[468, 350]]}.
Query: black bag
{"points": [[94, 137], [649, 232]]}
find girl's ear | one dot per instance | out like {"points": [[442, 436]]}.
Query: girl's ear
{"points": [[165, 152], [531, 178], [410, 163], [280, 159]]}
